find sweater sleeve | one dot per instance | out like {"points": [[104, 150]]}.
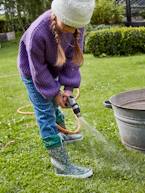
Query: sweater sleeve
{"points": [[45, 84], [70, 76]]}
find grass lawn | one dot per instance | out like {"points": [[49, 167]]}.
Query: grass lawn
{"points": [[25, 165]]}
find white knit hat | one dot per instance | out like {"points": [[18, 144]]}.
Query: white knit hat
{"points": [[75, 13]]}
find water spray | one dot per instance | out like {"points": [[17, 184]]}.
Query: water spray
{"points": [[97, 138]]}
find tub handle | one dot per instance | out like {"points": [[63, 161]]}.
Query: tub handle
{"points": [[108, 104]]}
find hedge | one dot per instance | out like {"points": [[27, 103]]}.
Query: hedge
{"points": [[116, 41]]}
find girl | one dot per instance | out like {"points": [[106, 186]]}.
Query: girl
{"points": [[50, 54]]}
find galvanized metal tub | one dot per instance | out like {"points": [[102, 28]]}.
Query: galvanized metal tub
{"points": [[129, 111]]}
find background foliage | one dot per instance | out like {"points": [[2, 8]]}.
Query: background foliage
{"points": [[107, 12], [20, 13], [116, 41]]}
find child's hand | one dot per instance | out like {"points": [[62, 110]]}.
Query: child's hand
{"points": [[60, 100], [66, 94]]}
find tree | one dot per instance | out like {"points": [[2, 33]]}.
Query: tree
{"points": [[20, 13]]}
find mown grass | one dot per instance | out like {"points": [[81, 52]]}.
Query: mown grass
{"points": [[25, 165]]}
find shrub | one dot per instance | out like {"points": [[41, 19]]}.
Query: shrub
{"points": [[4, 26], [15, 25], [142, 13], [107, 12], [116, 41], [91, 28]]}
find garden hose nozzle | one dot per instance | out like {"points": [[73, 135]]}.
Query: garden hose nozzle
{"points": [[74, 105]]}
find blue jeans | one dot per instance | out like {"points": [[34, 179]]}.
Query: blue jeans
{"points": [[47, 113]]}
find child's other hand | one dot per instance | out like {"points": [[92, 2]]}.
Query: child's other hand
{"points": [[66, 94], [59, 100]]}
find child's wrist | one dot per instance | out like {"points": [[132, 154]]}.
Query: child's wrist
{"points": [[67, 88], [68, 92]]}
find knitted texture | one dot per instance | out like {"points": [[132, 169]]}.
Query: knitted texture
{"points": [[37, 57], [75, 13]]}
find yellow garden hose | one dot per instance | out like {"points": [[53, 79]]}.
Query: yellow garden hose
{"points": [[63, 130]]}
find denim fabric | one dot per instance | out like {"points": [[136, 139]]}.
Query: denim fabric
{"points": [[47, 113]]}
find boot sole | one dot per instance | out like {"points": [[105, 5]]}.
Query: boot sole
{"points": [[83, 176]]}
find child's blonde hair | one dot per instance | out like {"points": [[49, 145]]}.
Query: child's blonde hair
{"points": [[61, 58]]}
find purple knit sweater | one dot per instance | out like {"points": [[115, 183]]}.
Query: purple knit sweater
{"points": [[37, 56]]}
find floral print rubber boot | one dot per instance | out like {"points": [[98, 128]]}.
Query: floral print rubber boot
{"points": [[63, 166]]}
